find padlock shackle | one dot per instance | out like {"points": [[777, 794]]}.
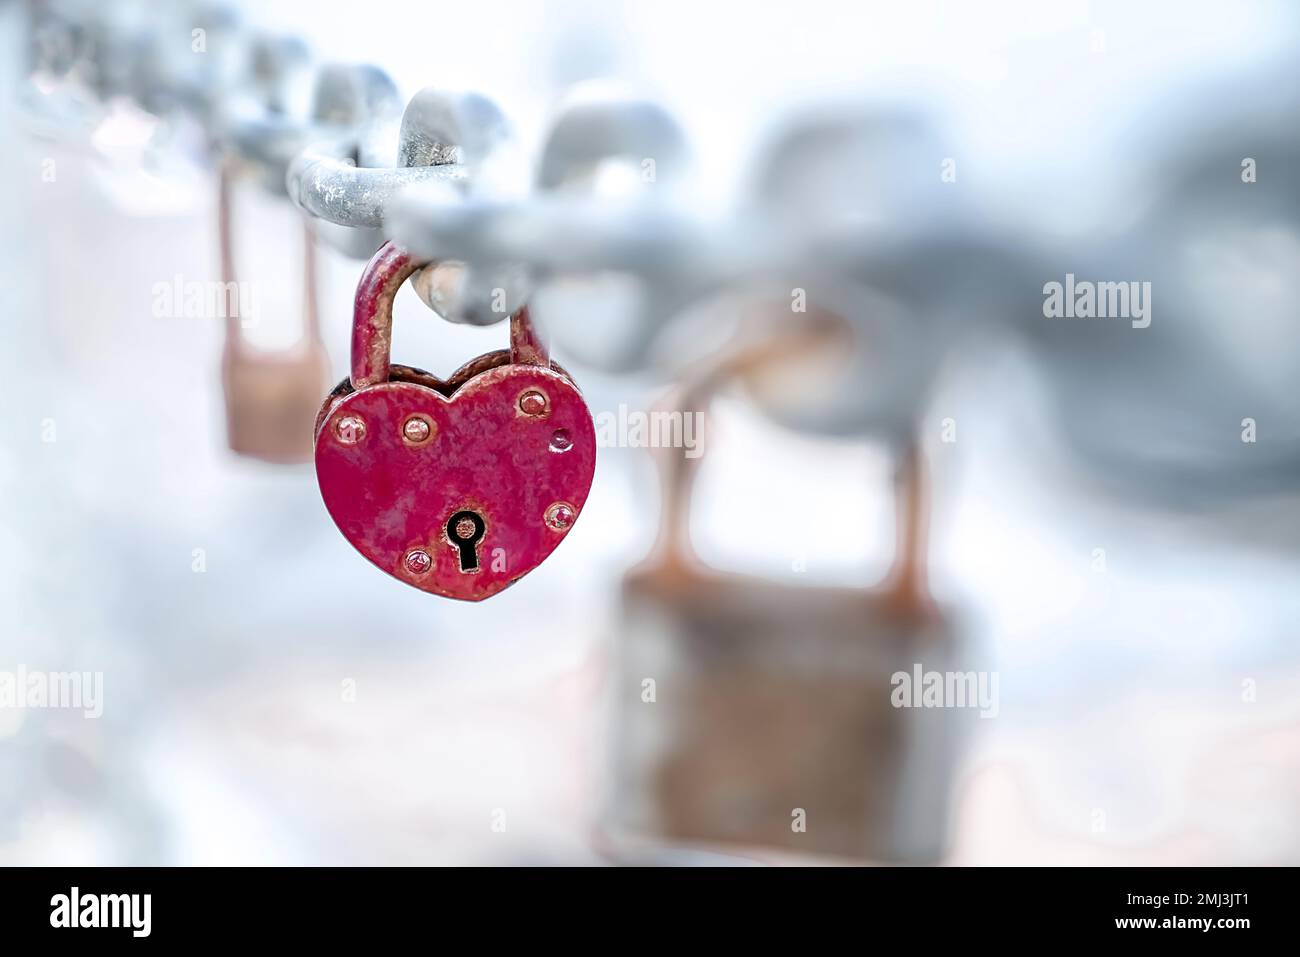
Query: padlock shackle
{"points": [[372, 318], [673, 547], [235, 343], [674, 553]]}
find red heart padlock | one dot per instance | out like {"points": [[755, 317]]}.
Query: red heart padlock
{"points": [[458, 487]]}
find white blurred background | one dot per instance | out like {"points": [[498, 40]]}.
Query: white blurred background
{"points": [[1124, 735]]}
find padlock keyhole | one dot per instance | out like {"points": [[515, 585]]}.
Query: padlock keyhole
{"points": [[465, 530]]}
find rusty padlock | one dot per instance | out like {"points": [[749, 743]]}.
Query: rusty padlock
{"points": [[772, 725], [271, 397], [462, 486]]}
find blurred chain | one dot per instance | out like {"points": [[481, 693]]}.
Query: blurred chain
{"points": [[327, 136], [607, 198], [315, 131], [841, 213]]}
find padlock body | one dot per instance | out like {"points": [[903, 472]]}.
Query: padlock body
{"points": [[773, 706], [272, 400], [397, 461]]}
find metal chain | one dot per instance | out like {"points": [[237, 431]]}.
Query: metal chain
{"points": [[323, 135], [842, 211], [332, 139]]}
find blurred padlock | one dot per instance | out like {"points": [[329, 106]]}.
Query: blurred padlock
{"points": [[271, 397], [770, 722]]}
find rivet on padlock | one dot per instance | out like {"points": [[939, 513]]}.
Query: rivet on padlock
{"points": [[271, 398], [455, 486]]}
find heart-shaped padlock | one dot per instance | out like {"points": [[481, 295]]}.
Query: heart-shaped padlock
{"points": [[461, 486]]}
